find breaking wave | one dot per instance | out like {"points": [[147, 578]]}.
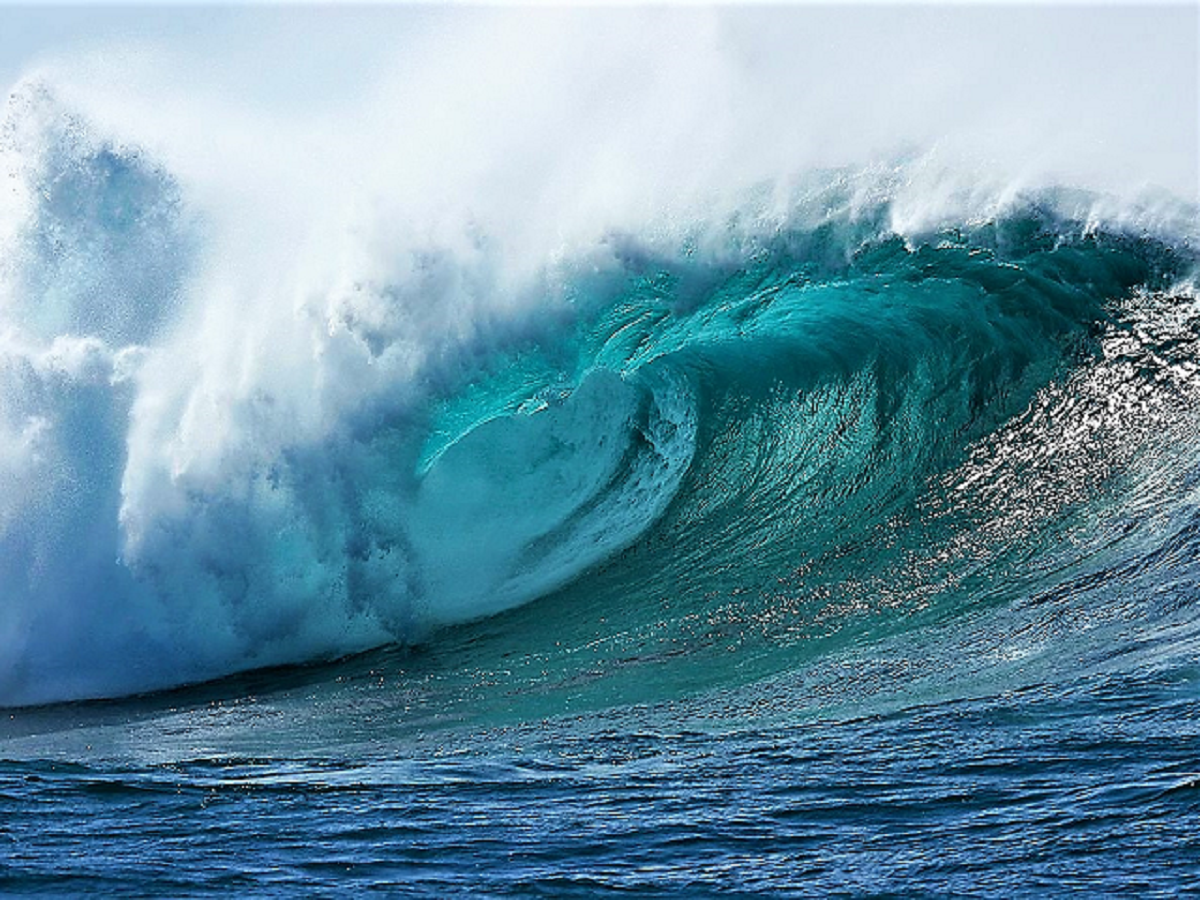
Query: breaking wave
{"points": [[813, 409]]}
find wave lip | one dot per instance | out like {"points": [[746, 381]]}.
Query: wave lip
{"points": [[524, 503]]}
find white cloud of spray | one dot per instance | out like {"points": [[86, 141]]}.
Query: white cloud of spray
{"points": [[211, 355]]}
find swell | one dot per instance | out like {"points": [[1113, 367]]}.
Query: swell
{"points": [[767, 433]]}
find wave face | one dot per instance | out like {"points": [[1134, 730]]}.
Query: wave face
{"points": [[780, 427]]}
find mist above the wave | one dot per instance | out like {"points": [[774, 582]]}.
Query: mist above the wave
{"points": [[551, 122]]}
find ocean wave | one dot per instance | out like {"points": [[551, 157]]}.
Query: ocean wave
{"points": [[808, 414]]}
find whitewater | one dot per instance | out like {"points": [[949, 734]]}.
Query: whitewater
{"points": [[569, 452]]}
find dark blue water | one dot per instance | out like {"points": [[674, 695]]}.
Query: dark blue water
{"points": [[1090, 786], [803, 555]]}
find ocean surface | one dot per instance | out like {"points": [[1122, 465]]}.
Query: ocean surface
{"points": [[813, 542]]}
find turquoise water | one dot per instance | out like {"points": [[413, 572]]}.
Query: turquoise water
{"points": [[797, 554]]}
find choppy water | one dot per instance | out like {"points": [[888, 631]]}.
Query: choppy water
{"points": [[1084, 786]]}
